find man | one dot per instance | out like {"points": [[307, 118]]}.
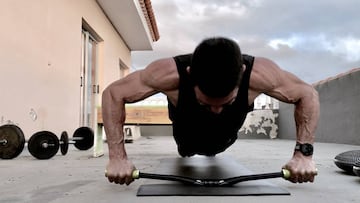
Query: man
{"points": [[209, 94]]}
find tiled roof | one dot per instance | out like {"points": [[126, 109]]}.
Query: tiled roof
{"points": [[150, 18]]}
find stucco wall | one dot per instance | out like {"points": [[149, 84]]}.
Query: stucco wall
{"points": [[260, 124], [339, 111], [41, 58]]}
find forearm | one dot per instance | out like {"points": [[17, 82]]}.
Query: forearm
{"points": [[115, 141], [307, 111], [113, 112]]}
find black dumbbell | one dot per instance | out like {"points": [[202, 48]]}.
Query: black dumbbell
{"points": [[45, 144], [83, 139]]}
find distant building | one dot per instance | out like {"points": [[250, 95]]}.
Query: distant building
{"points": [[266, 102]]}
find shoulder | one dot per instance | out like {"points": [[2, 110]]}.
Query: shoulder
{"points": [[267, 77], [161, 74], [265, 74], [264, 64]]}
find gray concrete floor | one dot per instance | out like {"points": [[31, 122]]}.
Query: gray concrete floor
{"points": [[78, 177]]}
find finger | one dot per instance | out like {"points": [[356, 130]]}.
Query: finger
{"points": [[307, 176], [316, 172], [311, 176], [117, 181], [128, 180], [303, 176], [312, 179], [121, 181], [294, 176], [110, 178]]}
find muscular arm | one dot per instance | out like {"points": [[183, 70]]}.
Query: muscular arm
{"points": [[268, 78], [127, 90], [159, 76]]}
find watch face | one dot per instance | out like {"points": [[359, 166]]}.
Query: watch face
{"points": [[307, 149]]}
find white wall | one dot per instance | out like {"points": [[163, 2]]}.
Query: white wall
{"points": [[40, 61]]}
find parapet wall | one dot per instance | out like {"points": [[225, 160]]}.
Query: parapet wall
{"points": [[339, 111]]}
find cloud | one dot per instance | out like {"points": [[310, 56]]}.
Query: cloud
{"points": [[348, 47], [290, 42], [312, 39], [202, 11]]}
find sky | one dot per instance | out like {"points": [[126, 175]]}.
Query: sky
{"points": [[314, 40]]}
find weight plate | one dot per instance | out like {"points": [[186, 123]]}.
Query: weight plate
{"points": [[83, 138], [43, 145], [13, 141], [64, 143]]}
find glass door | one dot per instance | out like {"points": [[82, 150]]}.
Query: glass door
{"points": [[89, 87]]}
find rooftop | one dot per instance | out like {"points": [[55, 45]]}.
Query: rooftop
{"points": [[78, 177]]}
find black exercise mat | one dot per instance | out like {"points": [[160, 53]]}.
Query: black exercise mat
{"points": [[207, 168]]}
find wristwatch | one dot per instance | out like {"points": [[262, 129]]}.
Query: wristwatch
{"points": [[306, 149]]}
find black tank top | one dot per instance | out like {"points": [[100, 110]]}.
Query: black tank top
{"points": [[196, 129]]}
